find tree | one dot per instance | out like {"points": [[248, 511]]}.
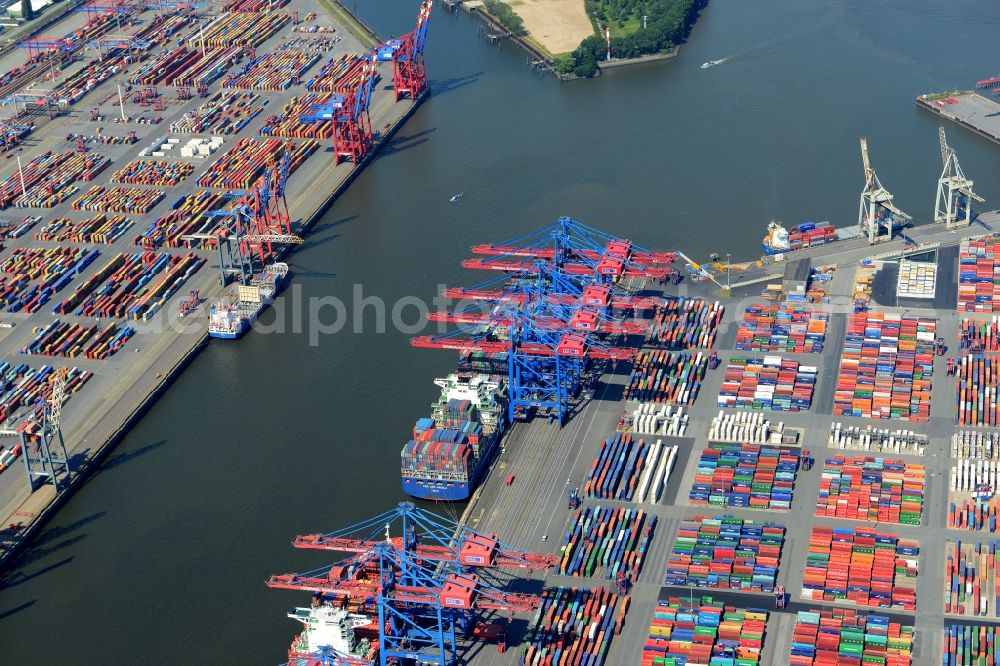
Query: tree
{"points": [[26, 12]]}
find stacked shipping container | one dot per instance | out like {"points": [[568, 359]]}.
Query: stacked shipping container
{"points": [[878, 490], [708, 633], [978, 275], [746, 476], [625, 469], [782, 328], [970, 645], [97, 229], [573, 626], [686, 323], [982, 336], [771, 384], [976, 384], [661, 376], [971, 579], [727, 553], [842, 637], [880, 440], [885, 371], [606, 541], [861, 566]]}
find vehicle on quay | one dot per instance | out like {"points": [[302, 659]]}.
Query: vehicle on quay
{"points": [[451, 450], [236, 312]]}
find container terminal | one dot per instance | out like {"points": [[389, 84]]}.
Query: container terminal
{"points": [[748, 466], [152, 154]]}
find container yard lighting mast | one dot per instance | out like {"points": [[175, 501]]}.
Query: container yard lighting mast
{"points": [[954, 192], [877, 212], [415, 567]]}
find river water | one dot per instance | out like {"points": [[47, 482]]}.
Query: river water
{"points": [[162, 556]]}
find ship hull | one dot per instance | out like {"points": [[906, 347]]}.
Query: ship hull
{"points": [[451, 491], [247, 322]]}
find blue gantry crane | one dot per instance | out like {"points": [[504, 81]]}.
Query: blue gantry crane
{"points": [[422, 575]]}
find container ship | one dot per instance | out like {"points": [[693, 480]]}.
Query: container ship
{"points": [[452, 449], [353, 637], [780, 240], [233, 316]]}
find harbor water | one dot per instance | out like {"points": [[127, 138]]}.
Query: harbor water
{"points": [[165, 551]]}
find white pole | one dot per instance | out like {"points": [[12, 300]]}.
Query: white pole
{"points": [[121, 102], [21, 174]]}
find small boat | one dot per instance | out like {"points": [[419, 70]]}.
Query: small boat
{"points": [[710, 63], [456, 197]]}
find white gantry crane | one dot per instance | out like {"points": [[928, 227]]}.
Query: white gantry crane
{"points": [[954, 192], [877, 213]]}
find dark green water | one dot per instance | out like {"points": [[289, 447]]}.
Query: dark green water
{"points": [[162, 557]]}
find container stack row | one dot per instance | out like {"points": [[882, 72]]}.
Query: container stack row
{"points": [[970, 574], [602, 541], [288, 122], [573, 626], [131, 285], [630, 470], [21, 385], [885, 371], [971, 645], [153, 172], [917, 279], [978, 275], [49, 179], [980, 335], [274, 71], [616, 468], [878, 490], [686, 323], [187, 215], [71, 340], [975, 444], [782, 328], [746, 476], [134, 200], [658, 419], [976, 384], [671, 377], [842, 637], [726, 553], [708, 633], [225, 112], [243, 164], [862, 567], [770, 384], [749, 427], [876, 440], [98, 229], [974, 504], [31, 276], [242, 29]]}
